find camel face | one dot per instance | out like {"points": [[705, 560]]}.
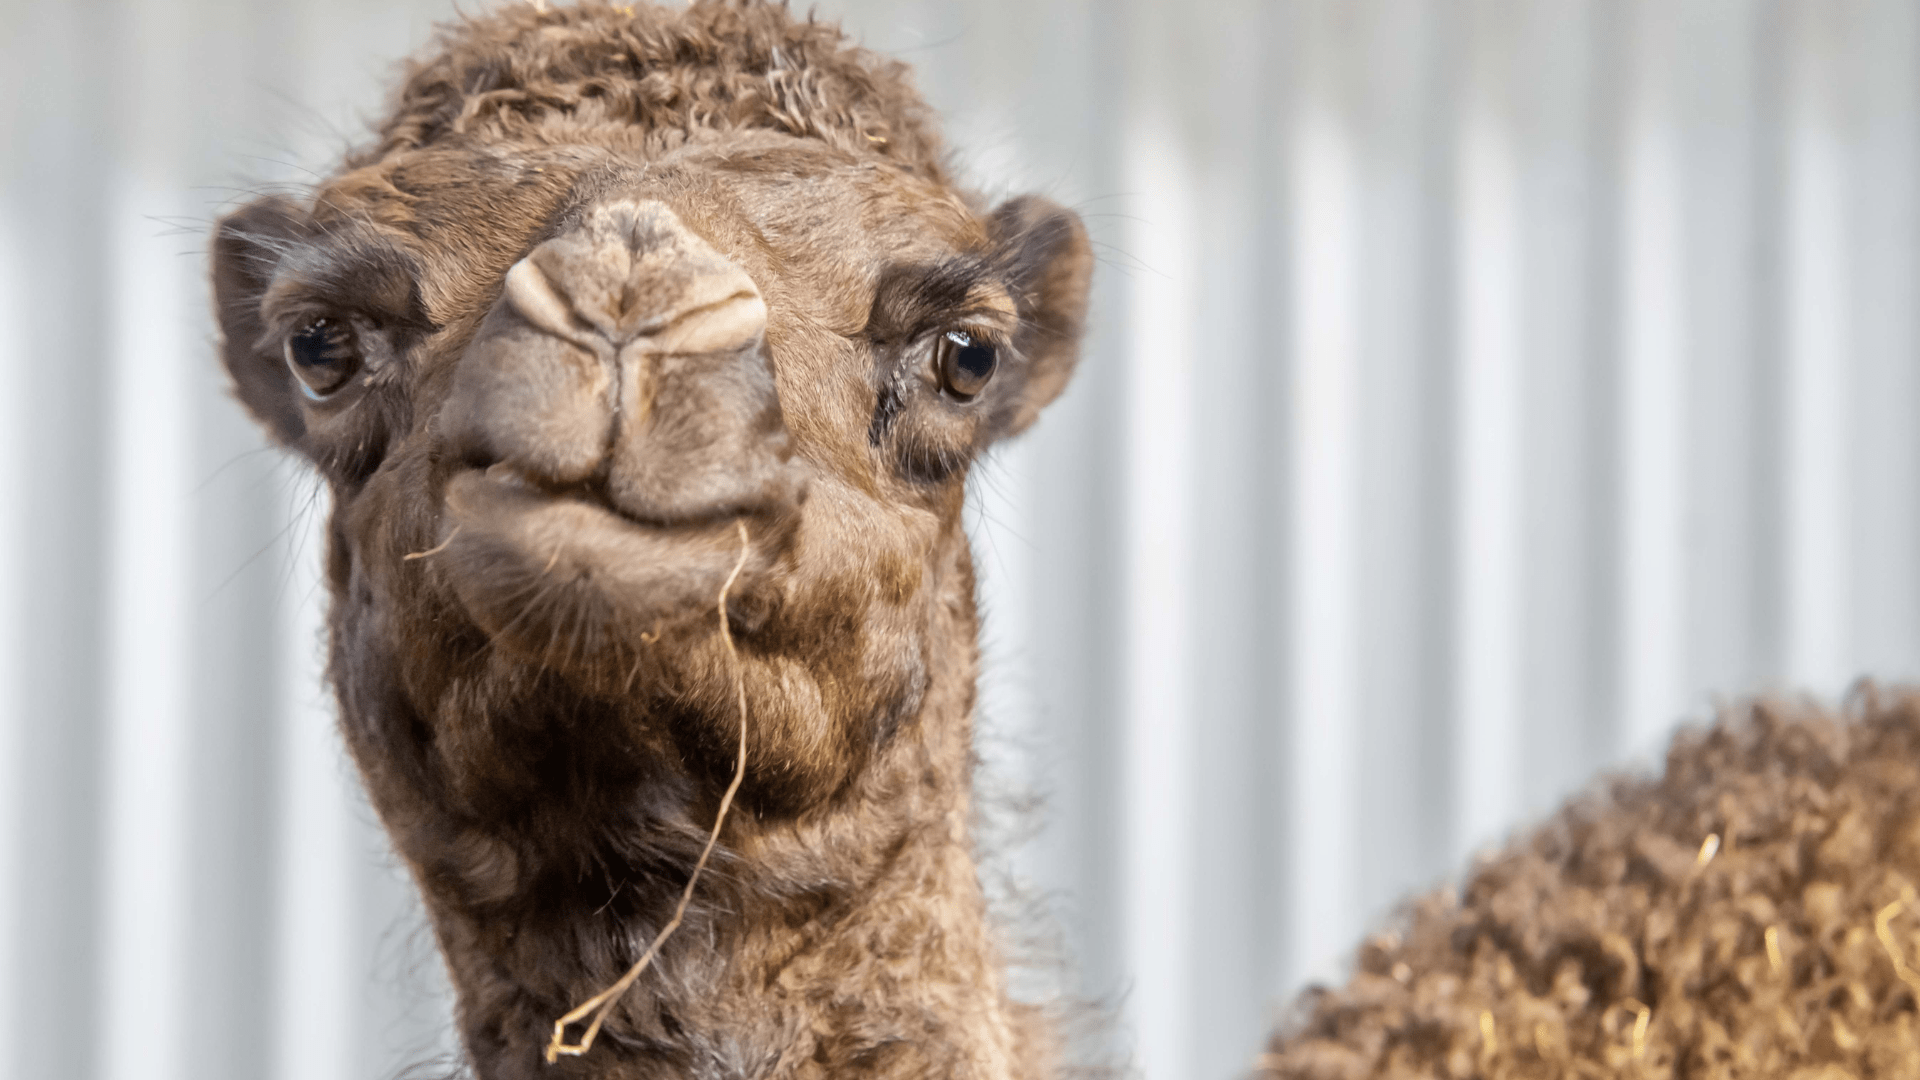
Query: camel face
{"points": [[548, 386]]}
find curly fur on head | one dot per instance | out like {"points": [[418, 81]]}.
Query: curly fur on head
{"points": [[1618, 940], [524, 75]]}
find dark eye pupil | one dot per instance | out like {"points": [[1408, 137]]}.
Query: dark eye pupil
{"points": [[975, 361], [322, 355], [319, 344]]}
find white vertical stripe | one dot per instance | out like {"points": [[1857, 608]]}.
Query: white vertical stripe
{"points": [[1008, 740], [1323, 713], [315, 1037], [1817, 367], [1650, 442], [147, 870], [13, 506], [998, 494], [1486, 732], [1160, 816]]}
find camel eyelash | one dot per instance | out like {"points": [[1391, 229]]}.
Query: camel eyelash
{"points": [[916, 301]]}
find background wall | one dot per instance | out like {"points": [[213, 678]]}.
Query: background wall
{"points": [[1477, 388]]}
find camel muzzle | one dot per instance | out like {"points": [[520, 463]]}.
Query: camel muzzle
{"points": [[626, 359], [613, 416]]}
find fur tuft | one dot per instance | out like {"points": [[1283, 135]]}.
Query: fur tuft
{"points": [[657, 76]]}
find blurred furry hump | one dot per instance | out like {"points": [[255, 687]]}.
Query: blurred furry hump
{"points": [[1751, 914]]}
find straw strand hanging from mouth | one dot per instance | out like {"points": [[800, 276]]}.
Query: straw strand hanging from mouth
{"points": [[601, 1004]]}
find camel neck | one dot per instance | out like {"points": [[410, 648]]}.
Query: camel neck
{"points": [[850, 940]]}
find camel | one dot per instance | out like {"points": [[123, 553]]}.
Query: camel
{"points": [[644, 352]]}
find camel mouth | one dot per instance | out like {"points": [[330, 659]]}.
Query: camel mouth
{"points": [[591, 492], [564, 578]]}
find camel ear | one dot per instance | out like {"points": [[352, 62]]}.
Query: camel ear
{"points": [[1045, 247], [246, 249]]}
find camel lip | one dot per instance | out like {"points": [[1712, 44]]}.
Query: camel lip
{"points": [[497, 523], [533, 567], [500, 478], [503, 511]]}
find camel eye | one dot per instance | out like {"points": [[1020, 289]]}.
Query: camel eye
{"points": [[323, 355], [966, 363]]}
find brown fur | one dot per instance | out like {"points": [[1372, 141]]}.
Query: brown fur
{"points": [[1557, 941], [546, 734]]}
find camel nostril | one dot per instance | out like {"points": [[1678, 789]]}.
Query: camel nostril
{"points": [[536, 300], [732, 323]]}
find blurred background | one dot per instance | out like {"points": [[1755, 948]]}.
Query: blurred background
{"points": [[1476, 390]]}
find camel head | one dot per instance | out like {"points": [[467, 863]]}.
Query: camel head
{"points": [[566, 353], [618, 299]]}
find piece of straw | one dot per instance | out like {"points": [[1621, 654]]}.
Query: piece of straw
{"points": [[1708, 849], [1883, 929], [602, 1003], [1773, 950], [435, 550], [1640, 1024], [1489, 1037]]}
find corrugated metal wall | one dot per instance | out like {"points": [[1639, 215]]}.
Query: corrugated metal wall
{"points": [[1476, 388]]}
